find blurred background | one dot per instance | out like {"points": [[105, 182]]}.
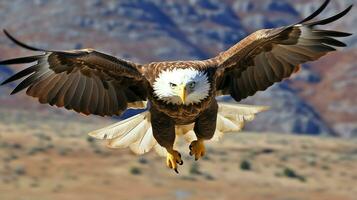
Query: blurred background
{"points": [[46, 154]]}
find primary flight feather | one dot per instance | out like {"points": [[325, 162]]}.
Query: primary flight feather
{"points": [[180, 95]]}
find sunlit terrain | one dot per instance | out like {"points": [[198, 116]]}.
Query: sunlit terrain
{"points": [[52, 158]]}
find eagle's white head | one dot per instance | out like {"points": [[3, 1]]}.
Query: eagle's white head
{"points": [[182, 86]]}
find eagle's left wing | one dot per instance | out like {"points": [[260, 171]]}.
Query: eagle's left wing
{"points": [[270, 55], [85, 80]]}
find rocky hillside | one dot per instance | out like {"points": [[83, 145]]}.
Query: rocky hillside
{"points": [[320, 100]]}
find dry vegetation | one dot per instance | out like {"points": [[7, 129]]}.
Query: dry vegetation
{"points": [[44, 157]]}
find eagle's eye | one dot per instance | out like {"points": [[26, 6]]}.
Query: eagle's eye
{"points": [[172, 85], [192, 85]]}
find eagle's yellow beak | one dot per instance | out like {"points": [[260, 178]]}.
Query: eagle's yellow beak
{"points": [[182, 93]]}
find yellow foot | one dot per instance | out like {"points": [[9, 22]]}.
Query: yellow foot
{"points": [[173, 158], [197, 148]]}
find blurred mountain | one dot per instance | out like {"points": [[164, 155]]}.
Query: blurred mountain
{"points": [[319, 100], [4, 73]]}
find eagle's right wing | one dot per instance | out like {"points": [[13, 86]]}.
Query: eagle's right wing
{"points": [[86, 80], [270, 55]]}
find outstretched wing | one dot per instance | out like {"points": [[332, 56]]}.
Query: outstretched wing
{"points": [[270, 55], [84, 80]]}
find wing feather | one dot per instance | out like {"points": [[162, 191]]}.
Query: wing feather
{"points": [[36, 88], [106, 102], [52, 95], [66, 86], [45, 93], [27, 82], [245, 80], [86, 99], [70, 94], [94, 97], [275, 66], [113, 97], [250, 75], [77, 99]]}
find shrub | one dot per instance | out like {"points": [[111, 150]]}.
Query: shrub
{"points": [[35, 184], [290, 173], [209, 177], [50, 146], [20, 170], [63, 151], [245, 165], [17, 146], [135, 171], [43, 136], [325, 167], [97, 151], [143, 161], [35, 150], [90, 139], [13, 157]]}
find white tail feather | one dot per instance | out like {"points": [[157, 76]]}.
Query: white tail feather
{"points": [[136, 132], [120, 128], [225, 124], [130, 137], [144, 144]]}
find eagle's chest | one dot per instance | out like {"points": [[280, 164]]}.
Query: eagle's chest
{"points": [[181, 114]]}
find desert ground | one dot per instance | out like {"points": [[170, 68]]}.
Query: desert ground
{"points": [[47, 155]]}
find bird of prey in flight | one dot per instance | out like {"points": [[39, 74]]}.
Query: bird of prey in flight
{"points": [[180, 95]]}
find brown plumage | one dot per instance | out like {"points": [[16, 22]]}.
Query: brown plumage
{"points": [[91, 82]]}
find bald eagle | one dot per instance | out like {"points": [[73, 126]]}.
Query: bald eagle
{"points": [[179, 95]]}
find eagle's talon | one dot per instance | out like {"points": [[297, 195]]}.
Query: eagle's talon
{"points": [[180, 162], [173, 158], [197, 148]]}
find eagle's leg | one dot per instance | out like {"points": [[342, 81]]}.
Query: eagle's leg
{"points": [[163, 128], [205, 126]]}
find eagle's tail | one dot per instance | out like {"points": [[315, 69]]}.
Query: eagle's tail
{"points": [[136, 132]]}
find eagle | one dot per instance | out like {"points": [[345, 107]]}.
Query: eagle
{"points": [[180, 96]]}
